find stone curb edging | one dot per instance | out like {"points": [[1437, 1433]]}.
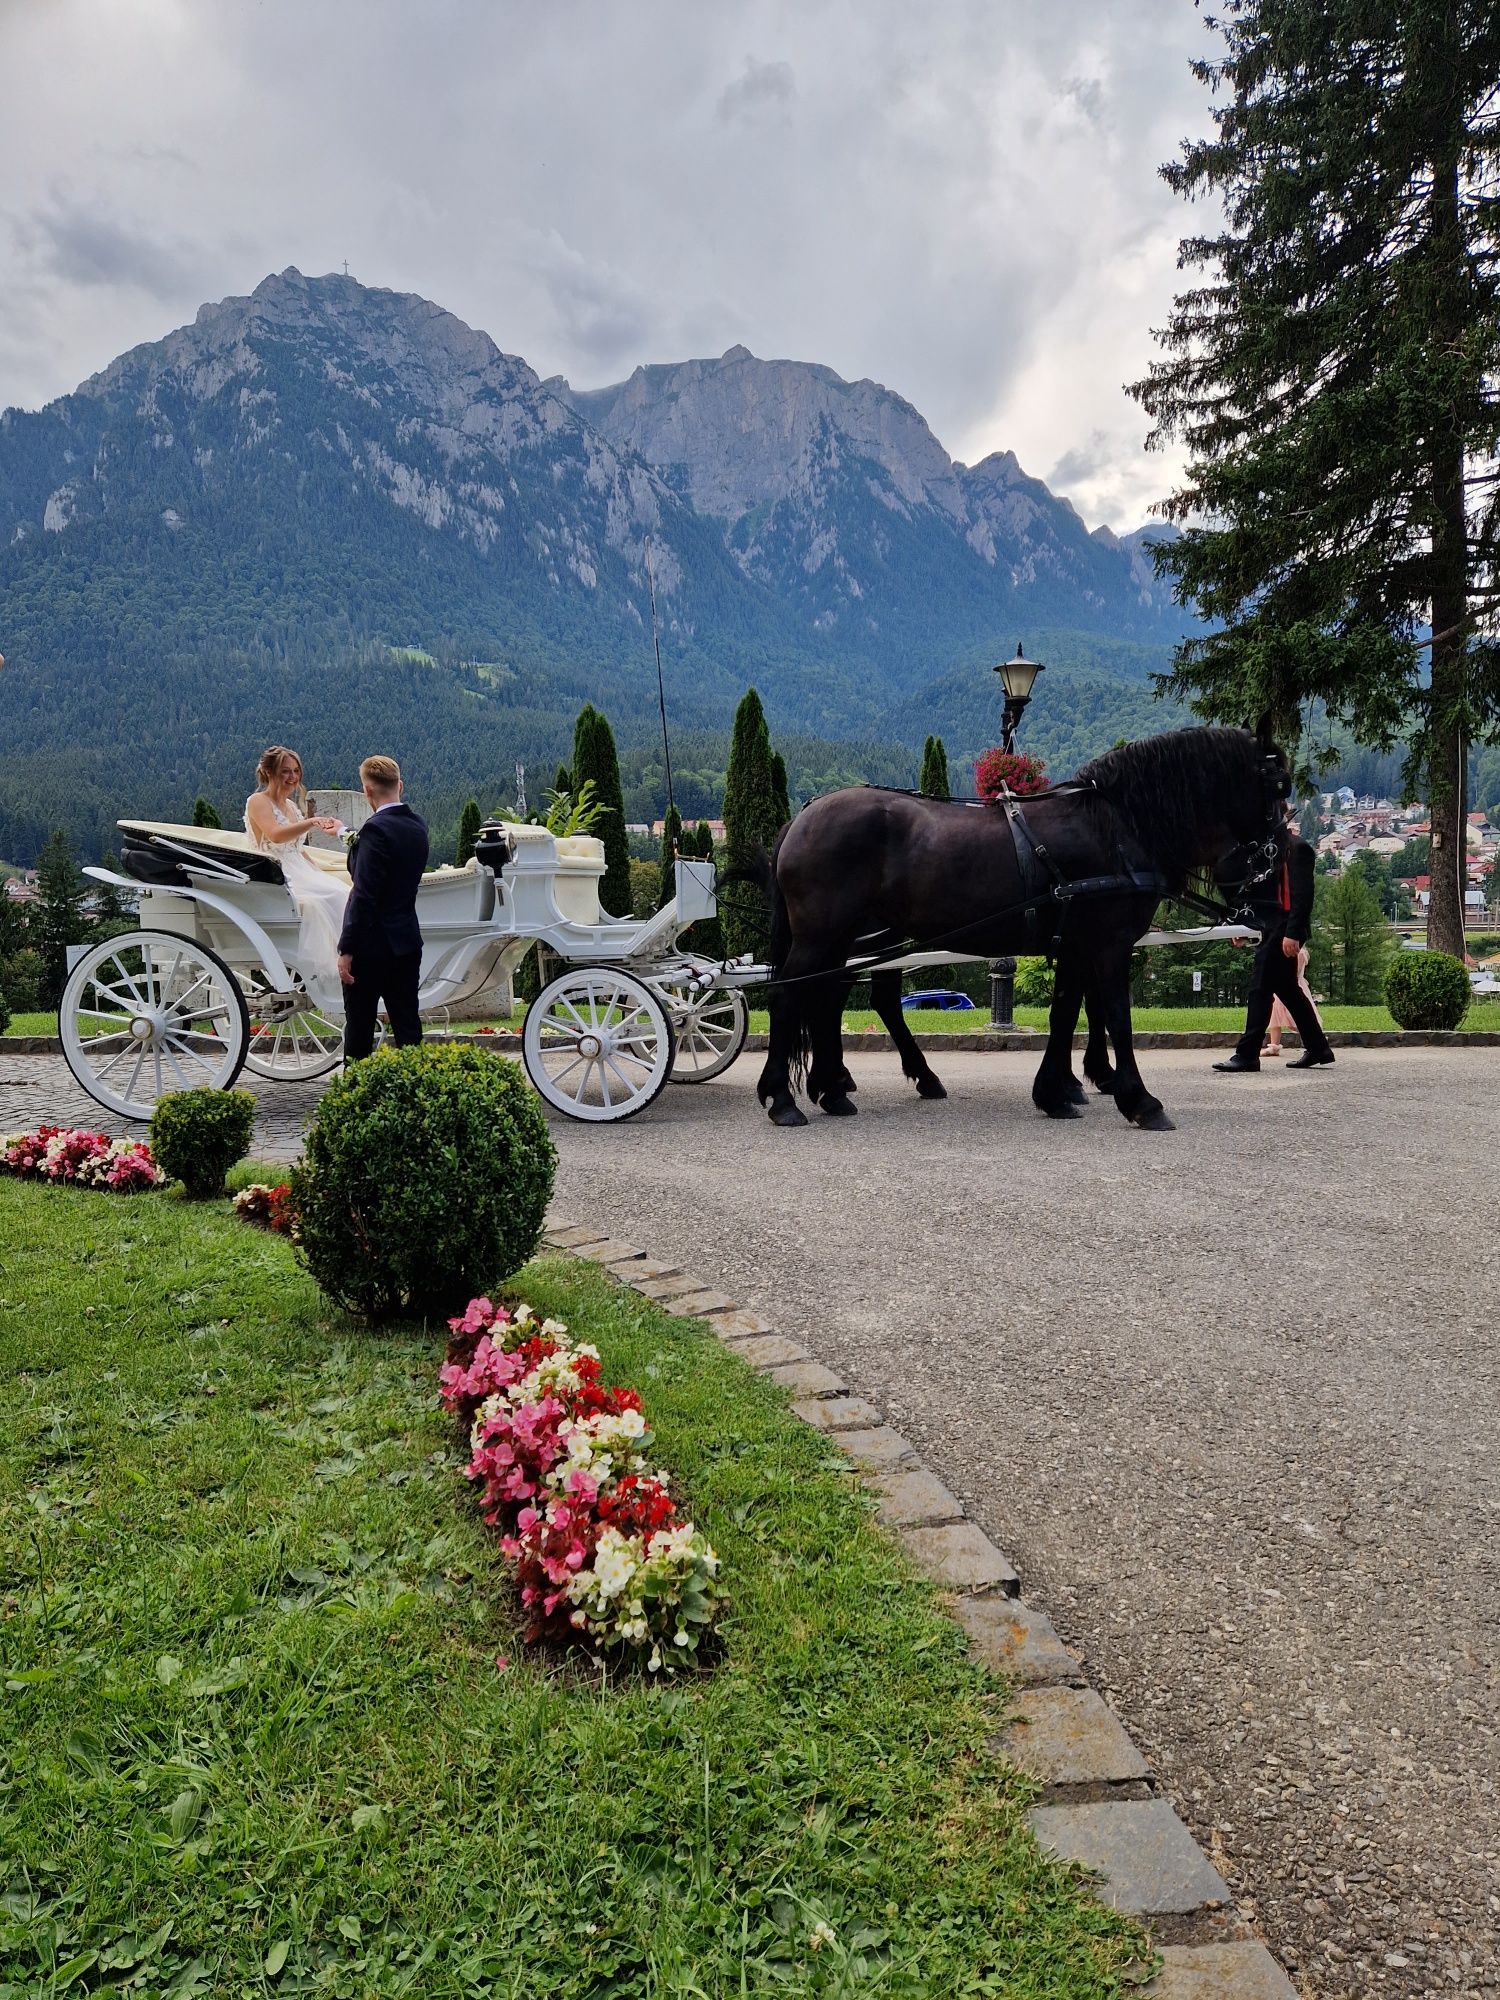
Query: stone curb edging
{"points": [[989, 1041], [1098, 1804]]}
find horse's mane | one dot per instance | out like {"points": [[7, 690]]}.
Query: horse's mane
{"points": [[1164, 787]]}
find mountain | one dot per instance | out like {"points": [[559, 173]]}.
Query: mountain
{"points": [[838, 498], [338, 516]]}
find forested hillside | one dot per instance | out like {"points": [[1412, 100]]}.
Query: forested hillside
{"points": [[341, 518]]}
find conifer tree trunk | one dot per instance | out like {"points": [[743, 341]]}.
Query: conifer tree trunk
{"points": [[1447, 785]]}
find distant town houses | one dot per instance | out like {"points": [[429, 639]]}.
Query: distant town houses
{"points": [[1350, 826], [22, 887]]}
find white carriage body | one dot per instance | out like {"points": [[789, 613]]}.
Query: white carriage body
{"points": [[215, 979]]}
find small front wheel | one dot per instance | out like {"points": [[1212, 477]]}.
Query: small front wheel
{"points": [[709, 1030], [597, 1044], [147, 1013], [291, 1039]]}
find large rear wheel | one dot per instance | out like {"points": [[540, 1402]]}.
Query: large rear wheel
{"points": [[148, 1013], [597, 1044]]}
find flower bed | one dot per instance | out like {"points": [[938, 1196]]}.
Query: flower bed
{"points": [[593, 1533], [268, 1207], [76, 1158]]}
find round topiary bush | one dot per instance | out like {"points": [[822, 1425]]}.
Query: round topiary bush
{"points": [[198, 1135], [425, 1181], [1427, 989]]}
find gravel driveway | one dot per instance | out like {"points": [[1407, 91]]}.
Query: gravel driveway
{"points": [[1226, 1396]]}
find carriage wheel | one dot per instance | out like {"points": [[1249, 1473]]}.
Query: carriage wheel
{"points": [[708, 1028], [148, 1013], [597, 1044], [291, 1039]]}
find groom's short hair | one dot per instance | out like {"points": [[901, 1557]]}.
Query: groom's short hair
{"points": [[384, 773]]}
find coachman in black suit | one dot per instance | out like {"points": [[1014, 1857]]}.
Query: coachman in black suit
{"points": [[380, 946], [1283, 911]]}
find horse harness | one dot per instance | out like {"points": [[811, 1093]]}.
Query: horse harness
{"points": [[1043, 884]]}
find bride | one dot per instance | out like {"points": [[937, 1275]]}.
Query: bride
{"points": [[278, 828]]}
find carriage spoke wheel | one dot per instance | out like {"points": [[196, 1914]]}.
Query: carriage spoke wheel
{"points": [[709, 1030], [597, 1044], [291, 1039], [148, 1013]]}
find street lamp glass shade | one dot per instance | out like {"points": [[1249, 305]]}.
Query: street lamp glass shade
{"points": [[1018, 676]]}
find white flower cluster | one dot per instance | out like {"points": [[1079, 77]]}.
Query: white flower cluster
{"points": [[602, 1447], [674, 1578]]}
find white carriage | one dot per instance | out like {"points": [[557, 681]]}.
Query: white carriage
{"points": [[211, 982]]}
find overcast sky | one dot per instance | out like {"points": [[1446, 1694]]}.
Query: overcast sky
{"points": [[959, 200]]}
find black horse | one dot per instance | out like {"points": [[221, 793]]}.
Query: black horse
{"points": [[864, 873]]}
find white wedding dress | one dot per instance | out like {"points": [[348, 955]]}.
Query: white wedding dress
{"points": [[320, 897]]}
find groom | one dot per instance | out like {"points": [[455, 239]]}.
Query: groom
{"points": [[380, 946]]}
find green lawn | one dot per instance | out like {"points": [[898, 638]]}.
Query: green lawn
{"points": [[1483, 1016], [257, 1741]]}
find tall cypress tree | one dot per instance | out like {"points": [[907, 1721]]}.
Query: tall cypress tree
{"points": [[596, 760], [468, 833], [563, 780], [671, 844], [204, 814], [706, 841], [752, 819], [779, 790], [1333, 374], [933, 783]]}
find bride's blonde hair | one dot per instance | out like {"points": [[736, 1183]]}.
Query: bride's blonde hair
{"points": [[271, 764]]}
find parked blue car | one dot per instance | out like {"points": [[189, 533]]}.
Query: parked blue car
{"points": [[937, 996]]}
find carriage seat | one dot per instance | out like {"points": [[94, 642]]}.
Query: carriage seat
{"points": [[159, 854]]}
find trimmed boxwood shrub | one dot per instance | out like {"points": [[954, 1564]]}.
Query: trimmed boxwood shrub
{"points": [[1427, 989], [424, 1182], [198, 1135]]}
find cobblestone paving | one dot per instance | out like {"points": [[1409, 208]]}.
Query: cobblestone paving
{"points": [[1226, 1396]]}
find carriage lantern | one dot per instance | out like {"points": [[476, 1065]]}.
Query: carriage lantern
{"points": [[1018, 678]]}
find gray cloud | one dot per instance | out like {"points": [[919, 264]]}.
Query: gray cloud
{"points": [[765, 87], [83, 245], [961, 202]]}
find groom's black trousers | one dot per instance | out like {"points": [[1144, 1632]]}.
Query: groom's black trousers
{"points": [[382, 975]]}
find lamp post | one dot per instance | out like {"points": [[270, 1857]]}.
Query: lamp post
{"points": [[1018, 678]]}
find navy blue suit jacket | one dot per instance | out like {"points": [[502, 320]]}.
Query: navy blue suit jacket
{"points": [[386, 862]]}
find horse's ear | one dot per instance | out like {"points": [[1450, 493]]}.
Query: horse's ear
{"points": [[1265, 731]]}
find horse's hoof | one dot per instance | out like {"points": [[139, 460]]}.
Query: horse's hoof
{"points": [[1154, 1121], [928, 1086], [1104, 1085], [1076, 1093], [787, 1114], [840, 1107], [1064, 1108]]}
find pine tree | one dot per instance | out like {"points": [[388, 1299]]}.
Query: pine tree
{"points": [[706, 841], [752, 819], [57, 918], [671, 845], [596, 761], [468, 833], [1333, 377], [204, 814], [1350, 945], [933, 783], [563, 781]]}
